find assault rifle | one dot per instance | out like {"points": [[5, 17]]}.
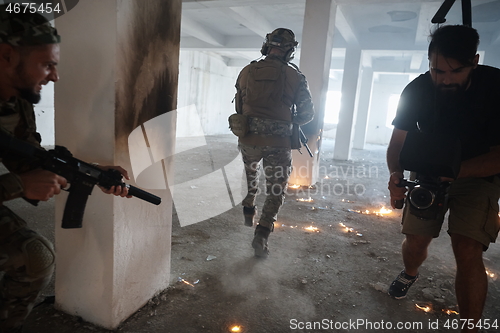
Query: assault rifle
{"points": [[82, 176], [299, 139]]}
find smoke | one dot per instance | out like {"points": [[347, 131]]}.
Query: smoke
{"points": [[263, 285]]}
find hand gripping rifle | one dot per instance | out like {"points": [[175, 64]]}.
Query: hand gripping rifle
{"points": [[81, 175]]}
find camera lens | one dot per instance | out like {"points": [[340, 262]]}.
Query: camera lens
{"points": [[421, 197]]}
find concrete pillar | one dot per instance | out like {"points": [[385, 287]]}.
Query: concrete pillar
{"points": [[118, 69], [364, 96], [343, 138], [315, 59]]}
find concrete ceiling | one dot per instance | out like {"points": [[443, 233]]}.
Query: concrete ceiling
{"points": [[392, 33]]}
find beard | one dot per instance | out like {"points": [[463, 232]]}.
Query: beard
{"points": [[452, 93], [29, 95], [27, 90]]}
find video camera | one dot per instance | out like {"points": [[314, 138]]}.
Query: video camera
{"points": [[427, 197], [431, 156]]}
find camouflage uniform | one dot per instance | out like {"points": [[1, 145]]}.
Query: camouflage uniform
{"points": [[26, 258], [277, 163], [267, 92]]}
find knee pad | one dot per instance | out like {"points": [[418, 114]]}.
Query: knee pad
{"points": [[39, 255]]}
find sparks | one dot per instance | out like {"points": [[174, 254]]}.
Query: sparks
{"points": [[236, 329], [305, 199], [346, 228], [311, 228], [490, 274], [184, 281], [424, 308], [294, 186], [383, 211], [449, 312]]}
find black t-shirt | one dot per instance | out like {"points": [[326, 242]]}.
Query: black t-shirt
{"points": [[473, 116]]}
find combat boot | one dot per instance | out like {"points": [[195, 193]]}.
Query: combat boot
{"points": [[259, 242], [249, 213]]}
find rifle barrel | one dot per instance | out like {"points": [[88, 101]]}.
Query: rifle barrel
{"points": [[141, 194]]}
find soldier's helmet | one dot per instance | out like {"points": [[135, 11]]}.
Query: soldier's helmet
{"points": [[25, 28], [283, 39]]}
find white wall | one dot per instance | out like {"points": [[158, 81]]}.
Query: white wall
{"points": [[208, 83], [204, 80], [44, 112], [383, 87]]}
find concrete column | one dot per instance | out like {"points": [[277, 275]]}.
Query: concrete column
{"points": [[315, 59], [343, 138], [364, 97], [118, 69]]}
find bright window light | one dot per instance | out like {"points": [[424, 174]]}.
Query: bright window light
{"points": [[332, 107], [391, 110]]}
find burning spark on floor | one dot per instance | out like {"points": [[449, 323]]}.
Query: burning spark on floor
{"points": [[236, 329], [449, 312], [424, 308], [294, 186], [345, 200], [326, 177], [381, 212], [346, 228], [185, 282], [305, 199], [311, 228], [490, 274]]}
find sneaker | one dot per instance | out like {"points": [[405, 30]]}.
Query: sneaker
{"points": [[400, 286], [249, 213], [259, 242]]}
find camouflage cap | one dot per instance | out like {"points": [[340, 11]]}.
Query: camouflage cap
{"points": [[23, 29]]}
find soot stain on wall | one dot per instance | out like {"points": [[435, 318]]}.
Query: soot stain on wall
{"points": [[149, 65]]}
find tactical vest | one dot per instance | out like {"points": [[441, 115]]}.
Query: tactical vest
{"points": [[265, 85], [268, 90]]}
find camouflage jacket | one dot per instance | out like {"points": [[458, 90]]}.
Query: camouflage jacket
{"points": [[17, 117], [272, 94]]}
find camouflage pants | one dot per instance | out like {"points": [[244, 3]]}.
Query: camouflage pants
{"points": [[277, 164], [27, 261]]}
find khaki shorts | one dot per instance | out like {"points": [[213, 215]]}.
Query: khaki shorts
{"points": [[473, 212]]}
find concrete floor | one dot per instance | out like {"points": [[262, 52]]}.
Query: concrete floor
{"points": [[330, 274]]}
